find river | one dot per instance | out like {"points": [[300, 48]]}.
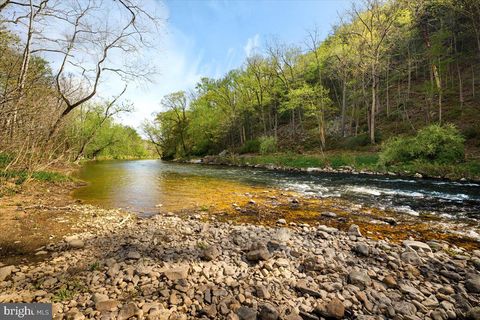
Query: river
{"points": [[147, 186]]}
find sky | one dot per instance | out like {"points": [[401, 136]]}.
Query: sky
{"points": [[207, 38]]}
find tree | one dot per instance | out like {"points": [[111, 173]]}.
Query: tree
{"points": [[374, 26]]}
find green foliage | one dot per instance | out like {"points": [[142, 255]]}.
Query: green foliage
{"points": [[95, 135], [356, 142], [436, 144], [268, 145], [250, 146], [19, 177], [5, 159], [63, 294]]}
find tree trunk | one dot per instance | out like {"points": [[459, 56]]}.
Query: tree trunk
{"points": [[344, 105], [473, 81], [374, 104], [388, 87]]}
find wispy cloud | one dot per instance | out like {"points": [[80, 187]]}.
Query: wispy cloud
{"points": [[252, 44], [178, 71]]}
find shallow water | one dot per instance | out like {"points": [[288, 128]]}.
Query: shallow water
{"points": [[148, 186]]}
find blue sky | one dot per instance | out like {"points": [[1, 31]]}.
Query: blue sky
{"points": [[208, 38]]}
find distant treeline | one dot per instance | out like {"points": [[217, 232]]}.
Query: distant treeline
{"points": [[389, 68]]}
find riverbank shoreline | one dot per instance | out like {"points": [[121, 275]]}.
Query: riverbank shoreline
{"points": [[171, 267], [368, 168]]}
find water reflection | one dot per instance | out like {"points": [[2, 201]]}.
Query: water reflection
{"points": [[151, 185]]}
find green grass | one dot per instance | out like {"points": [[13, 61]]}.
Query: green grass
{"points": [[20, 176], [359, 161], [63, 294], [291, 160]]}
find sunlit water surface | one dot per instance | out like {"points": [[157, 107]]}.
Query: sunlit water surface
{"points": [[147, 186]]}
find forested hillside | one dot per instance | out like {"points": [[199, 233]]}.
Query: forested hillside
{"points": [[388, 68]]}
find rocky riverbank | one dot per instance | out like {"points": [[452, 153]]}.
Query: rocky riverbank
{"points": [[170, 267], [249, 162]]}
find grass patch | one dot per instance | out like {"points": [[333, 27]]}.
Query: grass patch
{"points": [[291, 160], [360, 161], [19, 177], [63, 294]]}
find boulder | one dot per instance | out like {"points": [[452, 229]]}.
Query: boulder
{"points": [[106, 305], [76, 243], [362, 249], [258, 252], [210, 253], [5, 272], [246, 313], [411, 257], [268, 312], [129, 310], [176, 273], [472, 284], [359, 279], [417, 245], [335, 309], [354, 230]]}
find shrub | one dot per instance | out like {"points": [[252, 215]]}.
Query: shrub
{"points": [[435, 143], [250, 146], [268, 145], [360, 140]]}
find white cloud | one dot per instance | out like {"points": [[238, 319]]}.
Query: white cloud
{"points": [[177, 71], [252, 44]]}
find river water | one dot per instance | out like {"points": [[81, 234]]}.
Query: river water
{"points": [[147, 186]]}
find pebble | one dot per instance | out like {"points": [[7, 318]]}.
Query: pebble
{"points": [[303, 271]]}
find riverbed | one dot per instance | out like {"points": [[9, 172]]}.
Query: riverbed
{"points": [[413, 206]]}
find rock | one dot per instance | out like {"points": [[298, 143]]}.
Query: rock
{"points": [[74, 315], [303, 288], [245, 313], [472, 284], [418, 175], [258, 253], [362, 249], [329, 230], [176, 273], [335, 309], [97, 297], [268, 312], [76, 243], [133, 255], [476, 263], [390, 281], [360, 279], [282, 221], [5, 272], [262, 292], [174, 299], [417, 245], [128, 311], [405, 308], [106, 305], [473, 314], [354, 230], [282, 235], [210, 253], [411, 257], [329, 214], [210, 311]]}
